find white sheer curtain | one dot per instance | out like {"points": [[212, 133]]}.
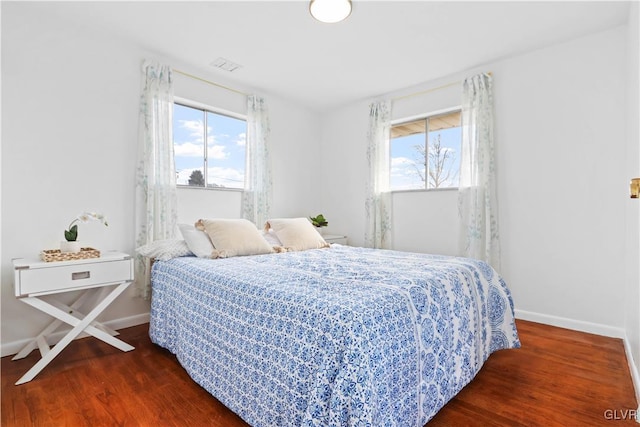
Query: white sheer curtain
{"points": [[477, 197], [378, 203], [256, 198], [156, 203]]}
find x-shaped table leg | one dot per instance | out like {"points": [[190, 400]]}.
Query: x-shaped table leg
{"points": [[79, 325], [41, 339]]}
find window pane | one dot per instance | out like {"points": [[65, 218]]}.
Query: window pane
{"points": [[226, 140], [407, 165], [209, 148], [407, 156], [188, 145], [444, 150], [413, 167]]}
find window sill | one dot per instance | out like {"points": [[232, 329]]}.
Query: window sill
{"points": [[193, 187], [425, 190]]}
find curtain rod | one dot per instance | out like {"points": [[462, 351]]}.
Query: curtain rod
{"points": [[423, 92], [210, 82]]}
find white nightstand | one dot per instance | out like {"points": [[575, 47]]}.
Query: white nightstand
{"points": [[34, 278], [335, 238]]}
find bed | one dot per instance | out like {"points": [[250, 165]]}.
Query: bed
{"points": [[342, 336]]}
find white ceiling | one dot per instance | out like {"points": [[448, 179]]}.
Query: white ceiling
{"points": [[383, 46]]}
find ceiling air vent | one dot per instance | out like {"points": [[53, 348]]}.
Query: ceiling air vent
{"points": [[225, 64]]}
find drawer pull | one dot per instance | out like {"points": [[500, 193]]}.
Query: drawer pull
{"points": [[80, 275]]}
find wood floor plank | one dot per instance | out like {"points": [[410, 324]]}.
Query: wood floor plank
{"points": [[558, 378]]}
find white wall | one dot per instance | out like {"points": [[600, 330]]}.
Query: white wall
{"points": [[560, 132], [561, 145], [69, 137], [70, 102], [343, 173], [196, 203], [426, 221]]}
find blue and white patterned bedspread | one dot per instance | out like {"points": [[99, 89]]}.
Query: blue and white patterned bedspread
{"points": [[332, 337]]}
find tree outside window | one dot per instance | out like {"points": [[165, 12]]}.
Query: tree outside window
{"points": [[425, 153]]}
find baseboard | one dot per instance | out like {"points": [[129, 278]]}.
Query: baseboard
{"points": [[576, 325], [635, 375], [13, 347]]}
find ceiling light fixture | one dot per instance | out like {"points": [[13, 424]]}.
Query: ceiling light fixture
{"points": [[330, 11]]}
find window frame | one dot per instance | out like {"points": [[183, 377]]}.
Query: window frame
{"points": [[184, 102], [425, 116]]}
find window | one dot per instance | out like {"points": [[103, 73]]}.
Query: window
{"points": [[209, 147], [425, 153]]}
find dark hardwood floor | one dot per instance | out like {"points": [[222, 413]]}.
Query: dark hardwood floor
{"points": [[558, 378]]}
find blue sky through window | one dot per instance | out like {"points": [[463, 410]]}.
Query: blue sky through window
{"points": [[225, 138], [407, 163]]}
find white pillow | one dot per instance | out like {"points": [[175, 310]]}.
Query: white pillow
{"points": [[296, 234], [234, 237], [197, 240], [165, 249], [271, 237]]}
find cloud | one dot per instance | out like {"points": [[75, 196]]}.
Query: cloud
{"points": [[399, 162], [188, 149], [403, 174], [226, 177], [195, 129], [193, 147], [403, 166], [242, 139], [217, 152]]}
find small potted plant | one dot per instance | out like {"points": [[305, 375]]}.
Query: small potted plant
{"points": [[319, 222], [71, 244]]}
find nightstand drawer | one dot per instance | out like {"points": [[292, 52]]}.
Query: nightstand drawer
{"points": [[57, 278]]}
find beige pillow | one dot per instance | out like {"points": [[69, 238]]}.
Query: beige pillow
{"points": [[296, 234], [234, 237]]}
